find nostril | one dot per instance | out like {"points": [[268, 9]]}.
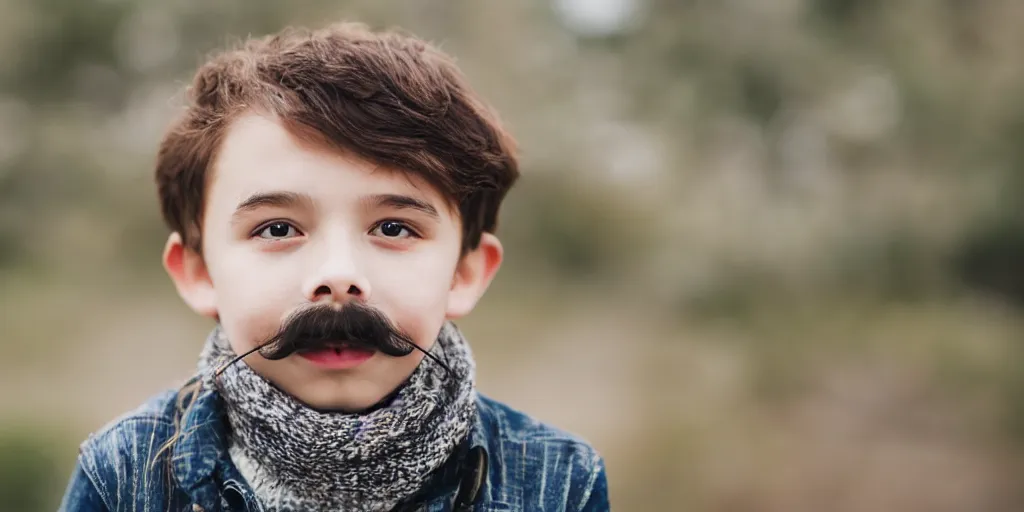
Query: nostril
{"points": [[354, 290], [322, 290]]}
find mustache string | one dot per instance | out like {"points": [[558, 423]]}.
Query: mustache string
{"points": [[354, 325]]}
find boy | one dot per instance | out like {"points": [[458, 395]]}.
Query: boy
{"points": [[333, 197]]}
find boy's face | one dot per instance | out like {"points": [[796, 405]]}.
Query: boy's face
{"points": [[287, 225]]}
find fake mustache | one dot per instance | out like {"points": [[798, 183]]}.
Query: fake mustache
{"points": [[322, 327]]}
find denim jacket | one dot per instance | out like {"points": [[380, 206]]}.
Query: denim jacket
{"points": [[510, 462]]}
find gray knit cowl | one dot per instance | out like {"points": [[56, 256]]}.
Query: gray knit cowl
{"points": [[298, 458]]}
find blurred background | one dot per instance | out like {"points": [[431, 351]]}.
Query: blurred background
{"points": [[765, 255]]}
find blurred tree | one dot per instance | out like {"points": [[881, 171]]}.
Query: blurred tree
{"points": [[991, 259]]}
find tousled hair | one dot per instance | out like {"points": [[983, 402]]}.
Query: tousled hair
{"points": [[386, 97]]}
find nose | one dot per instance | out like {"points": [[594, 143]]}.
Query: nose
{"points": [[337, 278]]}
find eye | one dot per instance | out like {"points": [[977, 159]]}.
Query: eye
{"points": [[392, 229], [277, 231]]}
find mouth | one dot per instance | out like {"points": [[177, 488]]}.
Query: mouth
{"points": [[338, 356]]}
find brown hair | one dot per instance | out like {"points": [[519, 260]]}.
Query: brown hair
{"points": [[386, 97]]}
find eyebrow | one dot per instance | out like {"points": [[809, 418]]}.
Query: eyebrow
{"points": [[402, 202], [272, 199]]}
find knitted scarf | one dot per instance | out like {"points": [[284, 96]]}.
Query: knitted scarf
{"points": [[298, 458]]}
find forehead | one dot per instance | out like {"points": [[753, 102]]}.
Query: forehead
{"points": [[258, 154]]}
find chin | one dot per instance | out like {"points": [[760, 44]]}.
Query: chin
{"points": [[353, 397]]}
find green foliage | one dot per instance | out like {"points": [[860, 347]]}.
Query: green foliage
{"points": [[68, 36], [761, 92], [30, 473], [840, 12], [991, 259]]}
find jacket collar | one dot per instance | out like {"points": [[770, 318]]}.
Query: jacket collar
{"points": [[200, 462], [201, 446]]}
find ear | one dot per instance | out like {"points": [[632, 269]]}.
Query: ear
{"points": [[188, 271], [473, 275]]}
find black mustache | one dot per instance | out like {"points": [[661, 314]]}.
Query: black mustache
{"points": [[320, 327]]}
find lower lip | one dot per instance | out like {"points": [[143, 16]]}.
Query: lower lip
{"points": [[338, 359]]}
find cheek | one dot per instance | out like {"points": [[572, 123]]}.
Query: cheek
{"points": [[414, 292], [253, 296], [419, 279]]}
